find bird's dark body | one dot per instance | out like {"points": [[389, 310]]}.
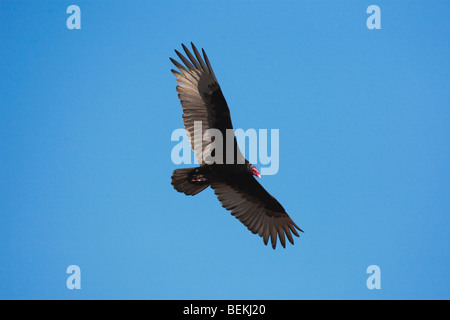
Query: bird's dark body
{"points": [[232, 181]]}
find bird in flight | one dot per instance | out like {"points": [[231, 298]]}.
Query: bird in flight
{"points": [[233, 181]]}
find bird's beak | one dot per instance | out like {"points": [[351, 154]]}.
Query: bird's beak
{"points": [[259, 176]]}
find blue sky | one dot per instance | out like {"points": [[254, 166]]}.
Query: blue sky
{"points": [[86, 118]]}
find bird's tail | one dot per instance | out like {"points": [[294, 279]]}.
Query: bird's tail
{"points": [[189, 181]]}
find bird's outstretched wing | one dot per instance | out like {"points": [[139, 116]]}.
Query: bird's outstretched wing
{"points": [[201, 99], [261, 213]]}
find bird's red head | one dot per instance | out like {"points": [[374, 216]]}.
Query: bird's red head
{"points": [[255, 171]]}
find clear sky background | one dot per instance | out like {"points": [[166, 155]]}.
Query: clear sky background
{"points": [[86, 119]]}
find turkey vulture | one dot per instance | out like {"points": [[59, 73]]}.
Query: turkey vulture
{"points": [[202, 100]]}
